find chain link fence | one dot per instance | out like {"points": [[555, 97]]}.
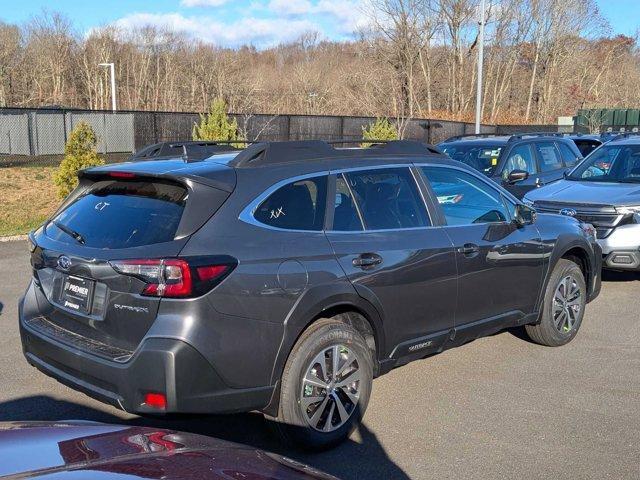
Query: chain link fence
{"points": [[38, 136]]}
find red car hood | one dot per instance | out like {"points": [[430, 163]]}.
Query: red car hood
{"points": [[69, 450]]}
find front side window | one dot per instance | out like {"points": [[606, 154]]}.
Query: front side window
{"points": [[464, 199], [520, 158], [549, 157], [387, 198], [299, 205], [610, 163]]}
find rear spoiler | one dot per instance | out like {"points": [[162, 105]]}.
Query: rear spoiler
{"points": [[210, 174]]}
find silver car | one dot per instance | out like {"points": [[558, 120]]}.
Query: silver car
{"points": [[603, 190]]}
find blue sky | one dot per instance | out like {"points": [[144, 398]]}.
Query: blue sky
{"points": [[235, 22]]}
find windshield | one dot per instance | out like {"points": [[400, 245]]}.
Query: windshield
{"points": [[610, 163], [116, 214], [483, 158]]}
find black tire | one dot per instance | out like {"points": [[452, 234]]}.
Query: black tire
{"points": [[547, 332], [292, 422]]}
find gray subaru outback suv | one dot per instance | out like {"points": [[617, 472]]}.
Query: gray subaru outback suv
{"points": [[603, 190], [287, 276]]}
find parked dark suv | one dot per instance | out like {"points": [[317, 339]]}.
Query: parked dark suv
{"points": [[519, 162], [284, 278], [193, 149]]}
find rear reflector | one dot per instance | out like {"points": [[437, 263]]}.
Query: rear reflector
{"points": [[173, 278], [211, 272], [155, 400]]}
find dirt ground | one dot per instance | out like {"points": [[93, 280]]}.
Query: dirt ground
{"points": [[27, 198]]}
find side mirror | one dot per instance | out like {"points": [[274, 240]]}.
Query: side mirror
{"points": [[524, 215], [517, 176]]}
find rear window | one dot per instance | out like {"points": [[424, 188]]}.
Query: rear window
{"points": [[483, 158], [121, 214], [587, 146]]}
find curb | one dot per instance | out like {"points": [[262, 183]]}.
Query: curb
{"points": [[13, 238]]}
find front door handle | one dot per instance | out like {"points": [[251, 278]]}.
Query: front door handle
{"points": [[469, 249], [367, 260]]}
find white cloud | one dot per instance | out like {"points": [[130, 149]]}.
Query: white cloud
{"points": [[349, 14], [346, 16], [260, 32], [203, 3], [289, 7], [265, 24]]}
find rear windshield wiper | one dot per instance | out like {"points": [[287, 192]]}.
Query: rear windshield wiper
{"points": [[69, 231]]}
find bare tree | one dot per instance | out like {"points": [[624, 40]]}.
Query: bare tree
{"points": [[10, 56], [402, 30], [543, 58]]}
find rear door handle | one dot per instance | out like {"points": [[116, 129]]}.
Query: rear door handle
{"points": [[367, 260], [469, 249]]}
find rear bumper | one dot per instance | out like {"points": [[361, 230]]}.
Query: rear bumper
{"points": [[159, 365]]}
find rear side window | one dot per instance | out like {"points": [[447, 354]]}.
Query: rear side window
{"points": [[346, 217], [548, 156], [300, 205], [119, 214], [464, 199], [569, 156], [388, 198]]}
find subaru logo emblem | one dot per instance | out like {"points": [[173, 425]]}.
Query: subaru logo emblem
{"points": [[64, 262], [569, 212]]}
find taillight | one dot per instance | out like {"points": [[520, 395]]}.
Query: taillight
{"points": [[174, 278]]}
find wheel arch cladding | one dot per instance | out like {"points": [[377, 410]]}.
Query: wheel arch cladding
{"points": [[580, 256], [342, 303], [572, 249]]}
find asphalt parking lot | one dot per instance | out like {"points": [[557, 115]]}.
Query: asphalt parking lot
{"points": [[500, 407]]}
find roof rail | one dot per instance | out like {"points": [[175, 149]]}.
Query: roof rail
{"points": [[474, 135], [521, 135], [270, 153], [207, 142], [623, 135]]}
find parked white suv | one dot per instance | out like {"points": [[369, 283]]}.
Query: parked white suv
{"points": [[603, 190]]}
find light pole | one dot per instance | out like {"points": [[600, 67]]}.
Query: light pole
{"points": [[480, 61], [113, 83]]}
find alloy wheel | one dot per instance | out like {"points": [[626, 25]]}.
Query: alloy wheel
{"points": [[567, 303], [330, 388]]}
